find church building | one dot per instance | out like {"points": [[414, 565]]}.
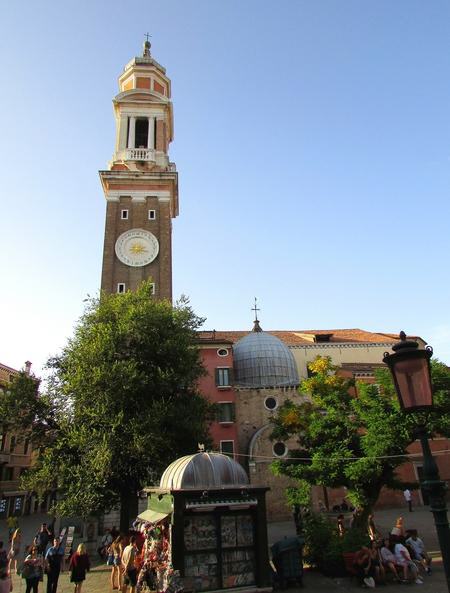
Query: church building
{"points": [[249, 373]]}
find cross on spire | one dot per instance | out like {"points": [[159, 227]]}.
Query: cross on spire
{"points": [[147, 46], [255, 309], [256, 326]]}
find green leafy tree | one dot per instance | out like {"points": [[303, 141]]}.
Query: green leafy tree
{"points": [[123, 404], [356, 441]]}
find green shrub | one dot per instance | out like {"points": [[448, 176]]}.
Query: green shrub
{"points": [[354, 539], [324, 548], [318, 533]]}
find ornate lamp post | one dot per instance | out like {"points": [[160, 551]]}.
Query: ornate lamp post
{"points": [[410, 368]]}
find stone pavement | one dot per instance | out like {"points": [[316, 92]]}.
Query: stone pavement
{"points": [[421, 519]]}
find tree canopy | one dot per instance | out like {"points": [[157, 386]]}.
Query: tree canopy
{"points": [[121, 403], [356, 441]]}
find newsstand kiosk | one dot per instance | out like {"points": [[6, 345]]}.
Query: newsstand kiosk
{"points": [[216, 522]]}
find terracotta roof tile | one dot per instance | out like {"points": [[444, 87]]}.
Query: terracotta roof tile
{"points": [[300, 337]]}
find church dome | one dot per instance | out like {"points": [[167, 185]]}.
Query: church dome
{"points": [[203, 471], [262, 360]]}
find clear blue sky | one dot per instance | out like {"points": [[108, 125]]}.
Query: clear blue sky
{"points": [[312, 141]]}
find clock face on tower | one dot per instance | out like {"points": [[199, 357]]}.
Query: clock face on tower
{"points": [[137, 247]]}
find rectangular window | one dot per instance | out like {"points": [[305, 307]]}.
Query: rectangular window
{"points": [[227, 448], [26, 445], [124, 214], [151, 214], [12, 444], [152, 287], [121, 287], [2, 441], [225, 412], [223, 377], [8, 474]]}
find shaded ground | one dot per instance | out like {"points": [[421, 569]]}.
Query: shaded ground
{"points": [[421, 519]]}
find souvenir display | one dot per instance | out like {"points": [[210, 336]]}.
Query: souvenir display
{"points": [[156, 571]]}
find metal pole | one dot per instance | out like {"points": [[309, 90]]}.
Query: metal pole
{"points": [[436, 489]]}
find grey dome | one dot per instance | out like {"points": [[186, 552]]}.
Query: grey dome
{"points": [[202, 471], [262, 360]]}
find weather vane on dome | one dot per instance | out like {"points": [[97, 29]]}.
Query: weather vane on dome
{"points": [[147, 46]]}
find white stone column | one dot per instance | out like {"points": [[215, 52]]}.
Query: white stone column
{"points": [[122, 140], [131, 132], [151, 132]]}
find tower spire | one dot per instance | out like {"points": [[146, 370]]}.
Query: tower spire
{"points": [[256, 326]]}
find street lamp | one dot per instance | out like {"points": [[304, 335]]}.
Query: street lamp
{"points": [[410, 368]]}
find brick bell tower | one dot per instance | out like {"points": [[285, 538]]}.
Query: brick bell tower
{"points": [[141, 185]]}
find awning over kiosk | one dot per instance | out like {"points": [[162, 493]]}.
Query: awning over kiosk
{"points": [[152, 516]]}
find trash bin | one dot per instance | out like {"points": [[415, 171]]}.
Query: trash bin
{"points": [[287, 557]]}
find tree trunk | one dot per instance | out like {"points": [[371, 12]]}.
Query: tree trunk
{"points": [[128, 509]]}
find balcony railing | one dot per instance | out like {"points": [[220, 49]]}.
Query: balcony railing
{"points": [[140, 154]]}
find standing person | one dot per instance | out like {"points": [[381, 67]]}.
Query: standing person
{"points": [[340, 524], [408, 498], [13, 524], [32, 571], [42, 538], [104, 544], [79, 565], [6, 585], [128, 565], [15, 549], [4, 559], [53, 561], [116, 549], [372, 530]]}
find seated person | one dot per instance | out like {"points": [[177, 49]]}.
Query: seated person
{"points": [[388, 559], [380, 574], [362, 565], [418, 548], [403, 559]]}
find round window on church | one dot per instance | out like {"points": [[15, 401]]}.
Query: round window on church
{"points": [[222, 352], [280, 449], [270, 403]]}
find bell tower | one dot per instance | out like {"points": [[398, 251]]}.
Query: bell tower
{"points": [[141, 184]]}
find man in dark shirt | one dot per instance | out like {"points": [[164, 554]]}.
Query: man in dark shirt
{"points": [[42, 538], [53, 561]]}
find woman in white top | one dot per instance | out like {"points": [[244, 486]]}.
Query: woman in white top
{"points": [[388, 559]]}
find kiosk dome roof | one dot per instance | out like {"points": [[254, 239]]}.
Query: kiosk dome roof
{"points": [[263, 360], [202, 471]]}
